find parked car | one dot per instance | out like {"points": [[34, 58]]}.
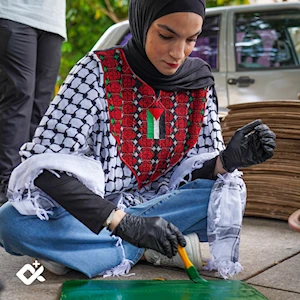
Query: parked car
{"points": [[253, 50]]}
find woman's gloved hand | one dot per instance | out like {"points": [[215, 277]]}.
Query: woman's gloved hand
{"points": [[150, 232], [252, 144]]}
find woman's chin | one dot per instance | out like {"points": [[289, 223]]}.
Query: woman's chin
{"points": [[168, 72]]}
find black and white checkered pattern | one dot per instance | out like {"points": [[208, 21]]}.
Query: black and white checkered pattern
{"points": [[77, 122]]}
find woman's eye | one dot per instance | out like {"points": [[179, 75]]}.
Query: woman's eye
{"points": [[192, 40], [164, 37]]}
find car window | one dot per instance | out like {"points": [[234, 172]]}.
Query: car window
{"points": [[207, 43], [267, 40]]}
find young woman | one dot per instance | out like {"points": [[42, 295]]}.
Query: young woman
{"points": [[129, 156]]}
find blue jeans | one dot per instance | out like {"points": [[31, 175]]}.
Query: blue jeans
{"points": [[67, 241]]}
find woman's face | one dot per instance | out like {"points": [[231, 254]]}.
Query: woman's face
{"points": [[171, 39]]}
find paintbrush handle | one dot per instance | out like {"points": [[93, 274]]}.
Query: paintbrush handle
{"points": [[184, 257]]}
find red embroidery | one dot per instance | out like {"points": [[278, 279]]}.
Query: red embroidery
{"points": [[128, 99], [156, 112]]}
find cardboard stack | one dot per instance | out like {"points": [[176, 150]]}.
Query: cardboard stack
{"points": [[273, 187]]}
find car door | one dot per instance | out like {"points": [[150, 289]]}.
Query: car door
{"points": [[264, 55], [211, 47]]}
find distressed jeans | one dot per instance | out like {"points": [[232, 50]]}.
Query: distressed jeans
{"points": [[65, 240]]}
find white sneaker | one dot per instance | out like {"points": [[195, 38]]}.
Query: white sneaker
{"points": [[192, 249], [54, 267]]}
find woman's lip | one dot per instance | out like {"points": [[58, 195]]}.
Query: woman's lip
{"points": [[174, 66]]}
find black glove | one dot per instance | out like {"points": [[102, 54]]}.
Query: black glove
{"points": [[150, 232], [252, 144]]}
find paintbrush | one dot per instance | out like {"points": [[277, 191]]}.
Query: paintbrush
{"points": [[189, 267]]}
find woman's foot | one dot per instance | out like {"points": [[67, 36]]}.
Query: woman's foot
{"points": [[54, 267], [192, 249], [294, 220]]}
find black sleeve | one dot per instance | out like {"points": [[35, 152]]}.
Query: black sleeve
{"points": [[207, 171], [89, 208]]}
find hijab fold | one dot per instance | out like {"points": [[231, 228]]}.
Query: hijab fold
{"points": [[194, 73]]}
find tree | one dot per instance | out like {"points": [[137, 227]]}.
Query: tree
{"points": [[116, 10], [212, 3], [87, 20]]}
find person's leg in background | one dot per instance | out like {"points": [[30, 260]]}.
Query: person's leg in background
{"points": [[47, 69], [29, 65], [18, 45]]}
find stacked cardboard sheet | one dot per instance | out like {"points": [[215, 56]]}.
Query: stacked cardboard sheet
{"points": [[273, 187]]}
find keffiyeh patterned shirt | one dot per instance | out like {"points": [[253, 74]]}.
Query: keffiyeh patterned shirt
{"points": [[78, 122]]}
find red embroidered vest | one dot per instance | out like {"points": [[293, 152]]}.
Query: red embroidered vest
{"points": [[152, 133]]}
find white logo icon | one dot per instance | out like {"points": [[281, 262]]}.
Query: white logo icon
{"points": [[35, 273]]}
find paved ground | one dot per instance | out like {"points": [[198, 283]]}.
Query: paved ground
{"points": [[269, 252]]}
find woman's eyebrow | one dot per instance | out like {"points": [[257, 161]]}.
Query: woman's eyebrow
{"points": [[174, 32]]}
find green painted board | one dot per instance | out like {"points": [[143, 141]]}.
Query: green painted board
{"points": [[158, 290]]}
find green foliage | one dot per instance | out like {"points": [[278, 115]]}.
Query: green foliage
{"points": [[213, 3], [87, 20]]}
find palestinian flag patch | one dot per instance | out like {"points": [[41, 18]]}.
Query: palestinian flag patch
{"points": [[156, 126]]}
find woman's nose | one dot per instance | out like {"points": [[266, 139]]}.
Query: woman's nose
{"points": [[177, 51]]}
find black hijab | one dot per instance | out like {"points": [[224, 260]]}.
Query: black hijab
{"points": [[194, 73]]}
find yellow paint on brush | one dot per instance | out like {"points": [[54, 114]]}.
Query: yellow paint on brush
{"points": [[186, 261]]}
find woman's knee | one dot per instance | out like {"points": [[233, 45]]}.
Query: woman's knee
{"points": [[199, 184], [6, 212]]}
